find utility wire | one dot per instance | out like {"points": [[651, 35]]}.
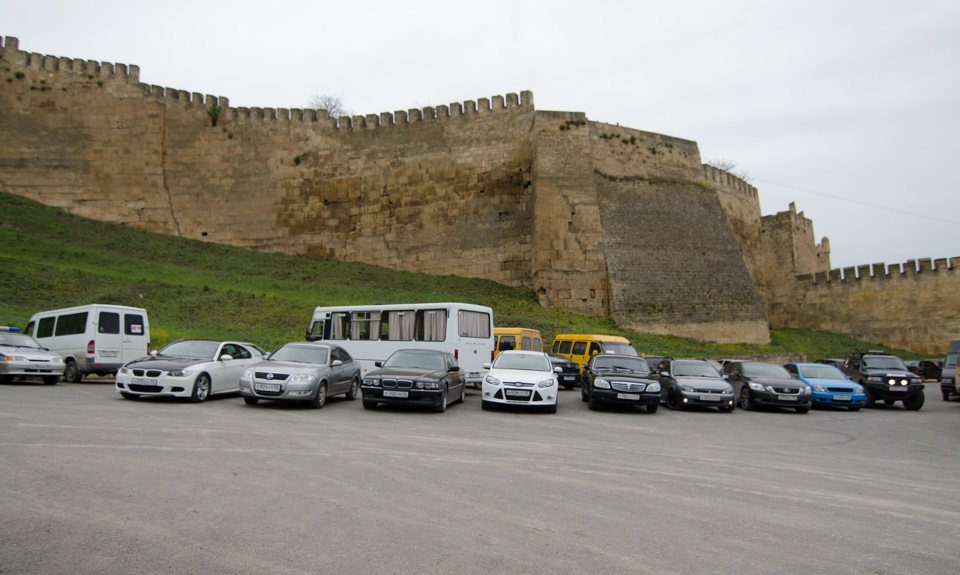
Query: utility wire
{"points": [[858, 202]]}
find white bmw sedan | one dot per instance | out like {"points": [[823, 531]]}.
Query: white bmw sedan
{"points": [[521, 378], [193, 368]]}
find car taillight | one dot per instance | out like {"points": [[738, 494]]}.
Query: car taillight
{"points": [[148, 348], [456, 354], [91, 347]]}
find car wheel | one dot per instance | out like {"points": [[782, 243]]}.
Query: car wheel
{"points": [[486, 405], [653, 407], [854, 408], [568, 386], [673, 400], [128, 395], [593, 403], [441, 406], [914, 403], [727, 408], [803, 409], [321, 399], [369, 404], [583, 394], [5, 379], [869, 399], [201, 388], [51, 379], [72, 372], [249, 400], [463, 393], [354, 390], [550, 408], [745, 402], [889, 401], [945, 395]]}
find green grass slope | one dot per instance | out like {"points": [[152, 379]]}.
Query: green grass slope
{"points": [[51, 259]]}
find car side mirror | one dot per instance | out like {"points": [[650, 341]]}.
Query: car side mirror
{"points": [[486, 366], [558, 369], [378, 363], [153, 353], [226, 357], [454, 368], [336, 363]]}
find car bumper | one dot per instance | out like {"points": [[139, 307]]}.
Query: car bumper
{"points": [[428, 397], [626, 397], [286, 391], [30, 368], [837, 398], [884, 392], [948, 387], [568, 379], [160, 386], [706, 399], [780, 400], [520, 395]]}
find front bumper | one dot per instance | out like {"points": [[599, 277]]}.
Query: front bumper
{"points": [[285, 391], [162, 386], [512, 395], [427, 397], [706, 399], [613, 396], [17, 368], [837, 398], [884, 392]]}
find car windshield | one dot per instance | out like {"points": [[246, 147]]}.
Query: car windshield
{"points": [[522, 361], [198, 349], [764, 370], [301, 354], [883, 362], [693, 369], [18, 340], [624, 363], [618, 348], [415, 359], [821, 372]]}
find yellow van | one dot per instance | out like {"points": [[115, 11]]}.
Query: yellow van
{"points": [[506, 338], [579, 348]]}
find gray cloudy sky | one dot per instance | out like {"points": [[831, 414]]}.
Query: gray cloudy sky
{"points": [[851, 109]]}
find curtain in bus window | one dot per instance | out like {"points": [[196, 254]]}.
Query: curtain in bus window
{"points": [[400, 325], [474, 324], [339, 324], [364, 326], [433, 325]]}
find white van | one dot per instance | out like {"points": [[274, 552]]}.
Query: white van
{"points": [[95, 338]]}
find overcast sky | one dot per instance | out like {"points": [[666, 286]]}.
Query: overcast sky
{"points": [[850, 109]]}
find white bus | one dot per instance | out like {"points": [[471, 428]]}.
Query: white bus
{"points": [[370, 333]]}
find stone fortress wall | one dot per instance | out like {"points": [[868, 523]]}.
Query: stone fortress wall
{"points": [[596, 218]]}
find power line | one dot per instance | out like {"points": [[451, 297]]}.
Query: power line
{"points": [[861, 203]]}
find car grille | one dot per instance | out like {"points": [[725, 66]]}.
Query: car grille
{"points": [[147, 372], [840, 389], [271, 376], [628, 386], [786, 390], [145, 388], [536, 396], [262, 393], [517, 384], [396, 383], [709, 391]]}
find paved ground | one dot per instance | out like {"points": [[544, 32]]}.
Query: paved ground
{"points": [[96, 484]]}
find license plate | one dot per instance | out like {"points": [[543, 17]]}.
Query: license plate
{"points": [[898, 388], [788, 397], [710, 398], [633, 396], [108, 353], [266, 386], [517, 393], [142, 381], [842, 397], [568, 378], [387, 393]]}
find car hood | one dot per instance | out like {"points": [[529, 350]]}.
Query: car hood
{"points": [[777, 381], [710, 383], [890, 373], [30, 352], [622, 375], [288, 367], [408, 373], [828, 382], [165, 362], [520, 375]]}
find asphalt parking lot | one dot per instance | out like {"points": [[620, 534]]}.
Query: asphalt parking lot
{"points": [[96, 484]]}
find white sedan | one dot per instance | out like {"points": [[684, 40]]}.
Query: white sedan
{"points": [[193, 368], [521, 378]]}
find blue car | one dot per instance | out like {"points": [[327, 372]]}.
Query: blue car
{"points": [[829, 385]]}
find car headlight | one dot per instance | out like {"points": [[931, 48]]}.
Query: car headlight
{"points": [[491, 380], [178, 373], [655, 386], [12, 358], [819, 387], [123, 371], [601, 383], [371, 382], [728, 389], [858, 389], [874, 378], [755, 386], [687, 388], [247, 373], [547, 383], [302, 378], [428, 385], [804, 390]]}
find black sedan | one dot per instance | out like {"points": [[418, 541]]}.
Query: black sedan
{"points": [[619, 379], [764, 384], [414, 377], [569, 375]]}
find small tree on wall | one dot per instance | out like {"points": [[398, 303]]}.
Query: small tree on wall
{"points": [[214, 112], [332, 104], [728, 166]]}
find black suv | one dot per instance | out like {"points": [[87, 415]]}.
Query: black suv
{"points": [[885, 378], [620, 379]]}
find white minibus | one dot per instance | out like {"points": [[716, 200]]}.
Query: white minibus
{"points": [[370, 333]]}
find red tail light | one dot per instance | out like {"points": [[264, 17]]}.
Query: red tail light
{"points": [[91, 347], [456, 354]]}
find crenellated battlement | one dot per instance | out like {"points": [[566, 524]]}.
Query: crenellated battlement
{"points": [[441, 113], [46, 63], [880, 271], [728, 183]]}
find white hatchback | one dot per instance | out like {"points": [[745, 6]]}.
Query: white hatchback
{"points": [[521, 378]]}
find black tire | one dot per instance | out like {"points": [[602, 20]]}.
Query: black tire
{"points": [[889, 401], [72, 373], [653, 407], [369, 404], [727, 408], [569, 386], [745, 402], [673, 400], [869, 399], [583, 394], [593, 403], [854, 408], [463, 394], [945, 395], [201, 388], [128, 395], [441, 406], [51, 379], [321, 399], [550, 408], [5, 379], [914, 403], [250, 400], [354, 391], [803, 409], [486, 405]]}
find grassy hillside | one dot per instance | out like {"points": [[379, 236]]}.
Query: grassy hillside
{"points": [[51, 259]]}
